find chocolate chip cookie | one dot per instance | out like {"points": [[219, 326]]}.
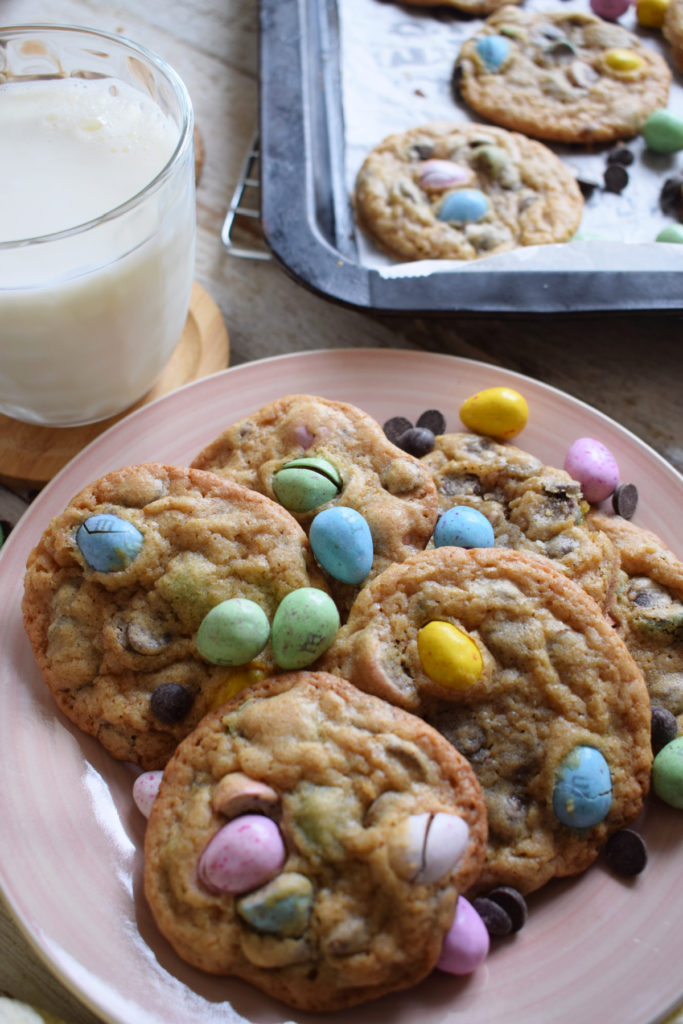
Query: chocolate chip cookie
{"points": [[119, 584], [516, 665], [372, 825]]}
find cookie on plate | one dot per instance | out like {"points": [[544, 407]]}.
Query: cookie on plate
{"points": [[461, 191], [673, 30], [120, 583], [561, 76], [371, 822], [531, 507], [516, 665], [647, 607], [313, 455]]}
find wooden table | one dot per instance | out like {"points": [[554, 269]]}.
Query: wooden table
{"points": [[629, 367]]}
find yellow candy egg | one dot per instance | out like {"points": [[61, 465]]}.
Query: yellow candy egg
{"points": [[496, 412], [623, 60], [238, 680], [650, 13], [449, 656]]}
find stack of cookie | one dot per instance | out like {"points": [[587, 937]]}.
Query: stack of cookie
{"points": [[347, 729]]}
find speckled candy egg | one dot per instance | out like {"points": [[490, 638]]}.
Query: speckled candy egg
{"points": [[464, 205], [245, 853], [108, 543], [610, 10], [233, 632], [304, 625], [467, 941], [493, 51], [663, 132], [342, 543], [495, 412], [448, 655], [145, 789], [582, 795], [594, 466], [463, 527], [667, 773], [306, 483]]}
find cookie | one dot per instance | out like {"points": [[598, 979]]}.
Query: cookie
{"points": [[647, 607], [462, 191], [354, 467], [114, 626], [473, 7], [373, 823], [672, 30], [531, 507], [525, 676], [561, 76]]}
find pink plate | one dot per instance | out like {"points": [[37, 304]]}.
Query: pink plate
{"points": [[595, 948]]}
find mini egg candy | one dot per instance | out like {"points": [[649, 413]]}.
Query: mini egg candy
{"points": [[496, 412], [342, 543], [663, 132], [623, 61], [307, 483], [280, 907], [304, 626], [233, 632], [610, 10], [667, 773], [145, 789], [243, 854], [426, 847], [463, 205], [438, 175], [582, 795], [448, 655], [108, 543], [671, 233], [595, 468], [493, 51], [463, 527], [467, 942], [651, 13]]}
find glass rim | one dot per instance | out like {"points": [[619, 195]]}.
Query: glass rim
{"points": [[185, 134]]}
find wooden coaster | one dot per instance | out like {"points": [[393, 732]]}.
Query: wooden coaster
{"points": [[31, 455]]}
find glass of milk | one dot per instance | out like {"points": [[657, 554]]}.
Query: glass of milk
{"points": [[97, 222]]}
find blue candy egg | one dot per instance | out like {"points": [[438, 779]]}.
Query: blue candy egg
{"points": [[583, 788], [108, 543], [342, 543], [464, 204], [463, 527], [493, 51]]}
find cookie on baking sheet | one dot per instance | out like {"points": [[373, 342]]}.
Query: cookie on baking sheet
{"points": [[353, 466], [647, 607], [474, 7], [120, 582], [673, 30], [561, 76], [373, 824], [461, 191], [525, 675], [531, 507]]}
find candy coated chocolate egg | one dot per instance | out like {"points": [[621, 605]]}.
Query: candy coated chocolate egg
{"points": [[448, 655], [582, 795], [245, 853], [667, 773], [493, 51], [671, 233], [497, 412], [437, 175], [281, 907], [463, 527], [610, 10], [342, 543], [466, 944], [623, 60], [306, 483], [108, 543], [233, 632], [304, 625], [650, 13], [466, 204], [663, 132], [145, 789], [594, 466]]}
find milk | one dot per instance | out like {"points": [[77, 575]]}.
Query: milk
{"points": [[89, 319]]}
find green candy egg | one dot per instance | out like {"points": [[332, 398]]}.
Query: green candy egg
{"points": [[306, 483], [671, 233], [233, 632], [667, 773], [281, 907], [663, 132], [304, 625]]}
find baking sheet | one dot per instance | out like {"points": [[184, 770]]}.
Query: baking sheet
{"points": [[339, 75]]}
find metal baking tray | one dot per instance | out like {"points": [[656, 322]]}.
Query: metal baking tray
{"points": [[307, 218]]}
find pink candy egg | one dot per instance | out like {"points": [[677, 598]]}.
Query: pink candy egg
{"points": [[437, 175], [610, 10], [242, 855], [467, 942], [594, 466], [145, 789]]}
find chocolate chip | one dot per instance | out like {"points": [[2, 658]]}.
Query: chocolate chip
{"points": [[396, 426], [615, 178], [170, 702], [621, 155], [625, 500], [626, 853], [432, 420], [513, 903], [671, 197], [587, 186], [663, 727], [424, 150], [416, 441], [495, 917]]}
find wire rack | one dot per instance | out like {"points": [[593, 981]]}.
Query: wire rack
{"points": [[241, 233]]}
